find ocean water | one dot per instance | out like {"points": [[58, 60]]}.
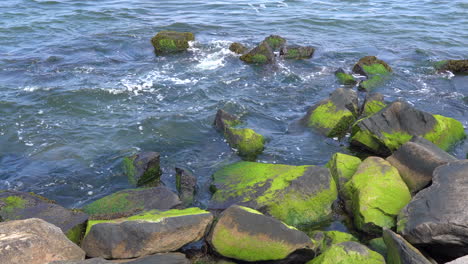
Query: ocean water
{"points": [[81, 88]]}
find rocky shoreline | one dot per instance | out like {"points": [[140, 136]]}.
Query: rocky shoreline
{"points": [[402, 197]]}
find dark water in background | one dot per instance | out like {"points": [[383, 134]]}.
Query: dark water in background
{"points": [[80, 86]]}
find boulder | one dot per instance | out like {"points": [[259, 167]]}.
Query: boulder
{"points": [[275, 42], [143, 169], [262, 54], [238, 48], [454, 66], [378, 245], [342, 168], [397, 123], [333, 116], [246, 234], [373, 103], [462, 260], [416, 160], [344, 78], [399, 251], [323, 240], [129, 202], [16, 205], [35, 241], [297, 52], [171, 41], [296, 195], [248, 143], [375, 195], [146, 233], [436, 218], [348, 252], [186, 184], [374, 69], [166, 258]]}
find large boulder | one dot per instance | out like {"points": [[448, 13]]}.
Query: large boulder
{"points": [[129, 202], [186, 184], [238, 48], [374, 69], [436, 219], [348, 252], [396, 124], [261, 54], [166, 258], [454, 66], [248, 143], [171, 41], [416, 160], [333, 116], [16, 205], [297, 52], [375, 195], [342, 168], [296, 195], [34, 241], [246, 234], [146, 233], [399, 251], [143, 169], [344, 77], [373, 103]]}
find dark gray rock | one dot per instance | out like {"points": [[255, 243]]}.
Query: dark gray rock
{"points": [[224, 120], [186, 184], [167, 258], [416, 160], [399, 251], [143, 169], [454, 66]]}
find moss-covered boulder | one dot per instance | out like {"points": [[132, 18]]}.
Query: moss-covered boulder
{"points": [[245, 234], [378, 245], [275, 42], [142, 169], [297, 52], [186, 184], [146, 233], [344, 78], [323, 240], [374, 69], [129, 202], [400, 251], [296, 195], [238, 48], [248, 143], [171, 41], [333, 116], [397, 123], [375, 195], [16, 205], [342, 168], [348, 253], [454, 66], [373, 103], [262, 54]]}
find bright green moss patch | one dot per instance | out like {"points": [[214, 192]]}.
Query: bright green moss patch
{"points": [[366, 139], [12, 203], [248, 143], [372, 107], [339, 254], [129, 169], [371, 83], [259, 58], [394, 140], [171, 41], [346, 79], [327, 117], [275, 42], [440, 64], [342, 167], [250, 210], [168, 45], [446, 132], [375, 69]]}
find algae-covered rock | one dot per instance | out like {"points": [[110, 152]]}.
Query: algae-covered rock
{"points": [[334, 116], [323, 240], [454, 66], [373, 103], [416, 160], [396, 124], [128, 202], [248, 143], [344, 78], [342, 168], [297, 52], [262, 54], [171, 41], [375, 195], [374, 69], [146, 233], [275, 42], [378, 245], [296, 195], [348, 252], [238, 48], [246, 234], [399, 251], [143, 168], [16, 205], [186, 184]]}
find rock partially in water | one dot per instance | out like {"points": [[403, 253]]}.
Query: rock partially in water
{"points": [[436, 218], [373, 103], [171, 41], [143, 169], [374, 69], [297, 52], [333, 116], [129, 202], [146, 233], [454, 66], [416, 160], [246, 234], [262, 54], [34, 241], [296, 195], [238, 48], [396, 124], [275, 42], [348, 252], [186, 184], [400, 251], [342, 168], [16, 205], [345, 78], [375, 195]]}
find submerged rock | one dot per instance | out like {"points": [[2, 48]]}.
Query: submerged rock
{"points": [[396, 124], [454, 66], [399, 251], [143, 168], [374, 69], [129, 202], [375, 195], [248, 143], [296, 195], [171, 41], [238, 48], [262, 54], [186, 184], [146, 233], [246, 234], [333, 116], [34, 241], [16, 205], [345, 78], [297, 52], [373, 103], [436, 218], [348, 252], [416, 160], [275, 42], [342, 168]]}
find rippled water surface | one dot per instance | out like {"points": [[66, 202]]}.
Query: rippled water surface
{"points": [[80, 86]]}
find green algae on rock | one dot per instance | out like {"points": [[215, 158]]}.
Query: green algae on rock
{"points": [[342, 168], [375, 195], [323, 240], [345, 78], [238, 48], [373, 103], [142, 169], [297, 52], [374, 69], [378, 245], [454, 66], [275, 42], [245, 234], [262, 54], [350, 253], [171, 41], [296, 195], [186, 184]]}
